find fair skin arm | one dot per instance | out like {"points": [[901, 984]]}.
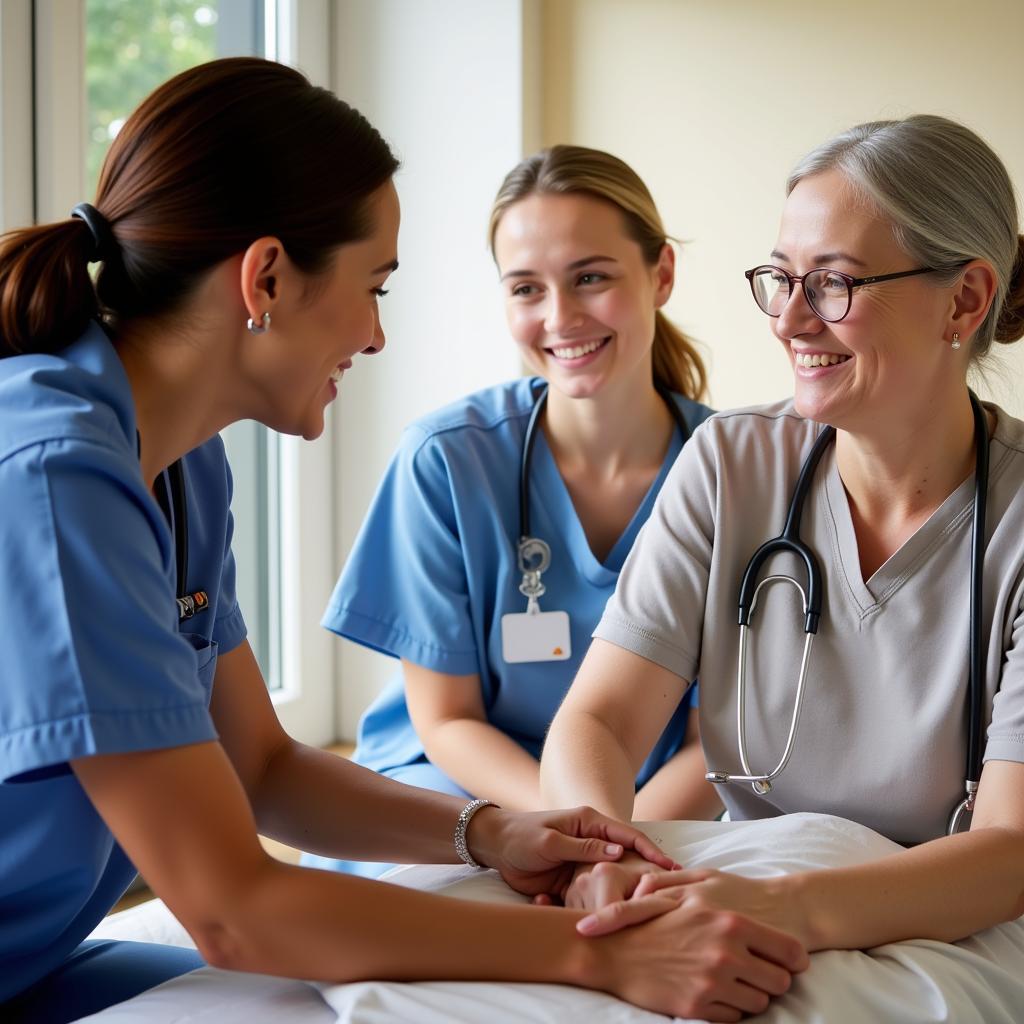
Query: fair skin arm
{"points": [[832, 908], [197, 847], [448, 714], [945, 889], [601, 734]]}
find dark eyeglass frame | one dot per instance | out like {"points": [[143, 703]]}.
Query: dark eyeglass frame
{"points": [[851, 283]]}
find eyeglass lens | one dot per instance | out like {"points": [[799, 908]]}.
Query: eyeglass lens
{"points": [[827, 293]]}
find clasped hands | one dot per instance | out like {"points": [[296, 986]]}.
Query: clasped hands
{"points": [[739, 941], [634, 890], [694, 943]]}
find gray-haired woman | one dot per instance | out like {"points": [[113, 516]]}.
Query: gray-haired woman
{"points": [[898, 263]]}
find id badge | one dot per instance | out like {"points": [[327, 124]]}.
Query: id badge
{"points": [[535, 636]]}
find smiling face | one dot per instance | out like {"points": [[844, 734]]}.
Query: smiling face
{"points": [[580, 299], [888, 356], [321, 323]]}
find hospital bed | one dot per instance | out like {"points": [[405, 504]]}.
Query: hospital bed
{"points": [[980, 979]]}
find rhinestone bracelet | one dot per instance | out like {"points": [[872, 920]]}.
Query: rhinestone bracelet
{"points": [[461, 826]]}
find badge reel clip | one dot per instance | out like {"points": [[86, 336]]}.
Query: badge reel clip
{"points": [[534, 635]]}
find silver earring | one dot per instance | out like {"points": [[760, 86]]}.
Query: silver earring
{"points": [[955, 344], [264, 325]]}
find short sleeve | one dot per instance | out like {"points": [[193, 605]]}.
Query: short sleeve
{"points": [[403, 590], [1006, 730], [657, 610], [92, 658]]}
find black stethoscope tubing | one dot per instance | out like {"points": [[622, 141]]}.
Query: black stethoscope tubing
{"points": [[530, 437], [789, 541], [977, 655], [171, 495]]}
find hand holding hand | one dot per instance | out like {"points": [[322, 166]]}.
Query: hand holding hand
{"points": [[695, 960], [597, 885], [763, 900], [538, 852]]}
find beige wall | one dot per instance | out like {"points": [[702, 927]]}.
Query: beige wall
{"points": [[712, 101]]}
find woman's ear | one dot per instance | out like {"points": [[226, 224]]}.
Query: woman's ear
{"points": [[972, 298], [262, 264], [664, 275]]}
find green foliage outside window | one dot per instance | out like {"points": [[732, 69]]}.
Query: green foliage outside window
{"points": [[130, 48]]}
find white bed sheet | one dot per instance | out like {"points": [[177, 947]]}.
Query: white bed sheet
{"points": [[980, 979]]}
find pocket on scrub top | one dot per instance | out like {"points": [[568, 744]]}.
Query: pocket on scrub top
{"points": [[206, 659]]}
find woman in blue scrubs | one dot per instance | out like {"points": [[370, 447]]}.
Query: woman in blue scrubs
{"points": [[585, 267], [244, 226]]}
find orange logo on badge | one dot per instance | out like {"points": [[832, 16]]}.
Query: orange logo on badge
{"points": [[557, 650]]}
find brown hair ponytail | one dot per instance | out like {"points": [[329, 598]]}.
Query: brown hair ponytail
{"points": [[215, 158], [46, 294], [562, 170]]}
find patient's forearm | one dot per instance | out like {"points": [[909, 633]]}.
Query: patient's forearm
{"points": [[485, 762], [584, 763], [325, 804], [945, 890]]}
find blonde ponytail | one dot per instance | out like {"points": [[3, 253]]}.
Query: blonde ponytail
{"points": [[677, 364]]}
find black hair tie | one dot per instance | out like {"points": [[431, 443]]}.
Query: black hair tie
{"points": [[104, 243]]}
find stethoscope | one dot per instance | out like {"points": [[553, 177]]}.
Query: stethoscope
{"points": [[169, 489], [789, 541], [533, 553]]}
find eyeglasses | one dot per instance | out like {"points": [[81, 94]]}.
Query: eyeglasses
{"points": [[829, 293]]}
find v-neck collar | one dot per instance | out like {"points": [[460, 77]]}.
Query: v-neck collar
{"points": [[554, 495], [891, 575]]}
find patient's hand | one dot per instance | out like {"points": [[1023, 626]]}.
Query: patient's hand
{"points": [[760, 899], [597, 885], [539, 852]]}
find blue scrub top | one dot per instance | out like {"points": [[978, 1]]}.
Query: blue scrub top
{"points": [[93, 660], [434, 569]]}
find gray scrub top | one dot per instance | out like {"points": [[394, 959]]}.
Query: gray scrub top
{"points": [[883, 732]]}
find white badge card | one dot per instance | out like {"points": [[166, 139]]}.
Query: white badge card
{"points": [[535, 636]]}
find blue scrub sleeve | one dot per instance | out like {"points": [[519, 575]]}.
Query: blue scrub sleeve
{"points": [[93, 661], [403, 590]]}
